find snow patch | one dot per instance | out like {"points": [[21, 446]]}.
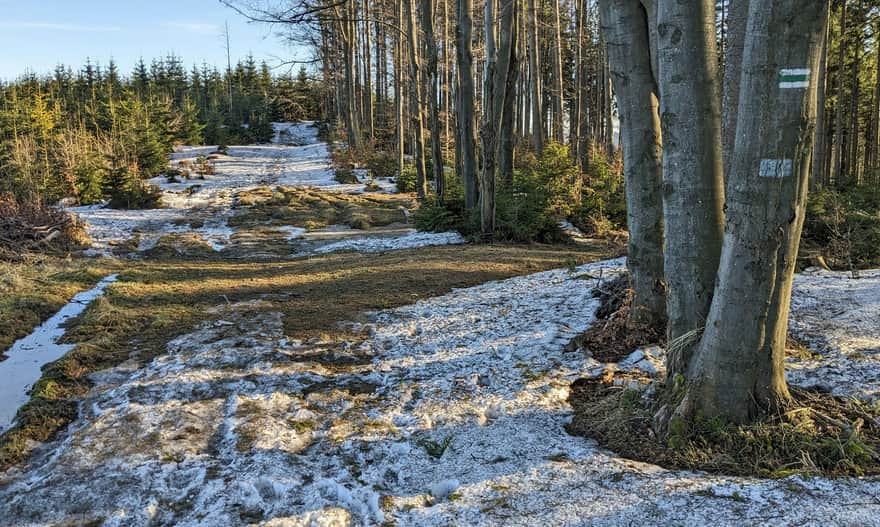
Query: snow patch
{"points": [[464, 395], [28, 355]]}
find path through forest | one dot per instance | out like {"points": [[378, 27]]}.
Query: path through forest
{"points": [[447, 411]]}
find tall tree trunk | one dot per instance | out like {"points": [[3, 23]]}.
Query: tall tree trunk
{"points": [[582, 147], [507, 139], [737, 18], [873, 142], [368, 73], [416, 100], [625, 26], [398, 92], [693, 196], [608, 119], [852, 163], [838, 147], [433, 97], [489, 126], [558, 107], [535, 79], [818, 174], [738, 373], [351, 111], [464, 102]]}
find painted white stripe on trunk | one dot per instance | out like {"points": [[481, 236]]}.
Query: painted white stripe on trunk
{"points": [[776, 168]]}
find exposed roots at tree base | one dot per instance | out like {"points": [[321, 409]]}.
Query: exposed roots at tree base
{"points": [[615, 334], [816, 434]]}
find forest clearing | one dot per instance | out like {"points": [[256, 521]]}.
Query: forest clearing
{"points": [[537, 262]]}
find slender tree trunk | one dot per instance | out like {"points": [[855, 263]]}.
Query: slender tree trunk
{"points": [[368, 73], [625, 26], [558, 106], [351, 120], [852, 163], [873, 141], [738, 373], [583, 86], [489, 126], [507, 139], [416, 99], [535, 79], [606, 109], [398, 93], [433, 97], [839, 133], [818, 174], [693, 194], [464, 95]]}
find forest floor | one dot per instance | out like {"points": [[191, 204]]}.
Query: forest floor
{"points": [[424, 386]]}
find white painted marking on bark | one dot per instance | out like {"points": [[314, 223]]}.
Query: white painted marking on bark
{"points": [[794, 78], [778, 168]]}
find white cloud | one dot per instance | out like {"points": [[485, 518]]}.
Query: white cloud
{"points": [[53, 26], [194, 27]]}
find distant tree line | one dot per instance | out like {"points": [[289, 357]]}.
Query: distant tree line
{"points": [[94, 133]]}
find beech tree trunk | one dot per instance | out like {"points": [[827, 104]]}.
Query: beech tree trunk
{"points": [[693, 194], [464, 102], [738, 372], [737, 18], [625, 25]]}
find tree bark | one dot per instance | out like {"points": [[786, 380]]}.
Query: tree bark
{"points": [[398, 93], [738, 373], [737, 18], [818, 174], [558, 106], [693, 194], [535, 79], [839, 134], [433, 98], [415, 100], [625, 26], [368, 73], [464, 102], [873, 142]]}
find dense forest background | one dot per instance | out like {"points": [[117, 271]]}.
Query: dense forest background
{"points": [[95, 133], [520, 109]]}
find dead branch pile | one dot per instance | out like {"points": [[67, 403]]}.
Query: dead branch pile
{"points": [[35, 226]]}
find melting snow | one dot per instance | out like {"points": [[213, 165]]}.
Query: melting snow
{"points": [[455, 417], [296, 158], [410, 240], [27, 356]]}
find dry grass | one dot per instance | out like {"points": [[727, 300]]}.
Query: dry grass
{"points": [[154, 301], [35, 287], [311, 208]]}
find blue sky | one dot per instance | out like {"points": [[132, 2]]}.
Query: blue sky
{"points": [[38, 34]]}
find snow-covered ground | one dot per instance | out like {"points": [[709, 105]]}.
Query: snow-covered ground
{"points": [[450, 412], [28, 355], [296, 158]]}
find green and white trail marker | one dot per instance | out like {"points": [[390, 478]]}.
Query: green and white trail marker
{"points": [[794, 78]]}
